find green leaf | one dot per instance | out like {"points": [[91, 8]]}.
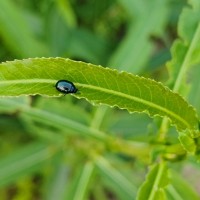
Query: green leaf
{"points": [[17, 33], [78, 188], [194, 94], [135, 49], [153, 187], [57, 180], [187, 142], [25, 161], [54, 119], [185, 53], [67, 12], [14, 104], [186, 49], [54, 105], [81, 43], [98, 85], [83, 181], [124, 186], [180, 188]]}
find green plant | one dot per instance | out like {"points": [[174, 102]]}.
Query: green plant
{"points": [[73, 149]]}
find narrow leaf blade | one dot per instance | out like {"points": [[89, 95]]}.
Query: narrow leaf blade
{"points": [[180, 188], [98, 85], [153, 187], [119, 181], [186, 49], [25, 161], [19, 37]]}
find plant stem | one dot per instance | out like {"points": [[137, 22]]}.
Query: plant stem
{"points": [[186, 62]]}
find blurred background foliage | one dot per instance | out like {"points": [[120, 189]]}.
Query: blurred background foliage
{"points": [[65, 148]]}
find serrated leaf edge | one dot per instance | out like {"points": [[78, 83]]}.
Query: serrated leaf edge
{"points": [[109, 91]]}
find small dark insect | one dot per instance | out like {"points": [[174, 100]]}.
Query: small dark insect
{"points": [[66, 87]]}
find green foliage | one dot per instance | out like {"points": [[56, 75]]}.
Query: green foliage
{"points": [[137, 36], [185, 51], [20, 39], [156, 180], [25, 161], [179, 188], [98, 85], [98, 143], [125, 188]]}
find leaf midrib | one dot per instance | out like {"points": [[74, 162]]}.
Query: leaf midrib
{"points": [[148, 103], [108, 91]]}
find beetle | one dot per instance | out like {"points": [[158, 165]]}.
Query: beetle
{"points": [[66, 87]]}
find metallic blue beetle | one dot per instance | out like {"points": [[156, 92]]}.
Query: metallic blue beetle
{"points": [[66, 87]]}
